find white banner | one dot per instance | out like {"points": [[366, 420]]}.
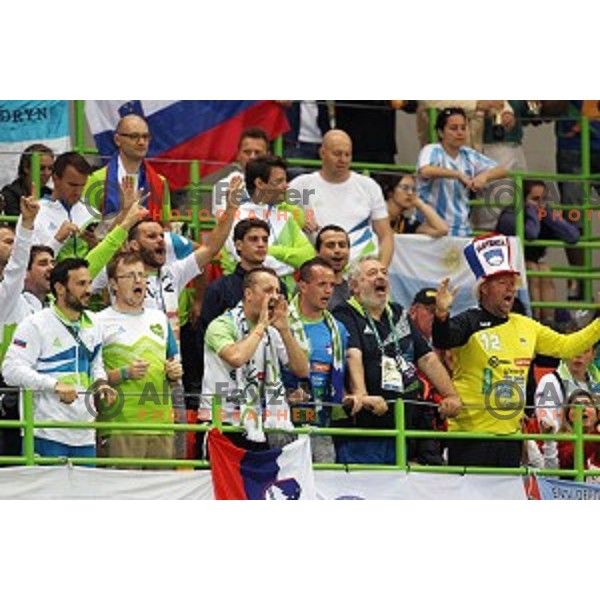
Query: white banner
{"points": [[81, 483], [380, 485]]}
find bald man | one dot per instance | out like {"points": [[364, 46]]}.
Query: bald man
{"points": [[132, 139], [335, 194]]}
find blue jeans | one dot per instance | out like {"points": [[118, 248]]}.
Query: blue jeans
{"points": [[374, 451], [51, 448]]}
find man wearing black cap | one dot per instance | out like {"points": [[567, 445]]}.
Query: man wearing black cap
{"points": [[426, 417], [422, 310]]}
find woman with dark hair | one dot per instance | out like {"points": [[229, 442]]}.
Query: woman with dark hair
{"points": [[408, 213], [589, 415], [449, 171], [22, 185]]}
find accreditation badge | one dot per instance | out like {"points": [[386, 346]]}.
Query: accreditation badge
{"points": [[391, 378]]}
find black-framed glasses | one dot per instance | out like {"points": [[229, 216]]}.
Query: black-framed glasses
{"points": [[136, 137]]}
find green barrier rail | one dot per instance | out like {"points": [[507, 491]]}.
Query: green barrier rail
{"points": [[401, 435]]}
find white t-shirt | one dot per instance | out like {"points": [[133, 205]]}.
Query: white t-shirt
{"points": [[353, 205]]}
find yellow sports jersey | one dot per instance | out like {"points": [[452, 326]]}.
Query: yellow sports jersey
{"points": [[492, 356]]}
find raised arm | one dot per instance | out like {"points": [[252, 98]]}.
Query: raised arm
{"points": [[131, 212], [204, 254], [13, 280], [446, 332], [297, 251]]}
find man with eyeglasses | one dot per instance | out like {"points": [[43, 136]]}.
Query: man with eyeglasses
{"points": [[141, 358], [132, 138]]}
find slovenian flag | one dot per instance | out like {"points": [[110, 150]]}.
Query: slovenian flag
{"points": [[26, 122], [182, 130], [281, 474]]}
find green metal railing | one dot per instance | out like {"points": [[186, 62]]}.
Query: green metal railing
{"points": [[401, 435]]}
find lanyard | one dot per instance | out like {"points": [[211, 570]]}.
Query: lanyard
{"points": [[395, 339], [75, 335]]}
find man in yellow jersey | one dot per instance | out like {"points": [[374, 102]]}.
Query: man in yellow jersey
{"points": [[492, 350]]}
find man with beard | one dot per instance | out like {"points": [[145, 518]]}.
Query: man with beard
{"points": [[140, 356], [492, 349], [56, 353], [167, 280], [37, 286], [384, 349], [333, 245]]}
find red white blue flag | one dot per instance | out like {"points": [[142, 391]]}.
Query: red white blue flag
{"points": [[183, 130], [280, 474]]}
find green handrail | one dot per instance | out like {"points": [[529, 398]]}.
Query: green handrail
{"points": [[401, 435], [587, 192], [79, 107], [28, 441]]}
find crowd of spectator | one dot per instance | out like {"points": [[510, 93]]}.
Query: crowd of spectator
{"points": [[105, 309]]}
